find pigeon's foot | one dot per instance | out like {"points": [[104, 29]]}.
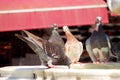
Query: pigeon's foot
{"points": [[76, 62], [96, 62], [51, 66], [59, 66]]}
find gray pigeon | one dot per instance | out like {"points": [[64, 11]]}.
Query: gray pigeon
{"points": [[98, 44]]}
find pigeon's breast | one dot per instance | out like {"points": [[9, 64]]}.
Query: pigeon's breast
{"points": [[98, 40]]}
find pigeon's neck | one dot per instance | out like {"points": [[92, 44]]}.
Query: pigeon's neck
{"points": [[53, 35], [69, 35], [98, 27], [54, 32]]}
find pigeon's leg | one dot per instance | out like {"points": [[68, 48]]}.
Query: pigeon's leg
{"points": [[97, 62], [49, 61], [96, 58], [105, 54], [76, 62], [92, 56], [42, 62]]}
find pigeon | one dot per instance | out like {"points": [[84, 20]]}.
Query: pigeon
{"points": [[98, 45], [73, 47], [52, 50]]}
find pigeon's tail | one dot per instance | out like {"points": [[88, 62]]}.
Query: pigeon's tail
{"points": [[25, 39], [30, 35], [113, 57], [35, 38]]}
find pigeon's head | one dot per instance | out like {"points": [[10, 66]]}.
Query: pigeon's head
{"points": [[98, 19], [65, 28], [98, 22], [54, 26]]}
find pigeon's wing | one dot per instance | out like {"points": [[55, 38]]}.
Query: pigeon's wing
{"points": [[90, 51], [56, 52], [109, 44], [38, 50], [110, 50], [81, 47], [116, 50], [108, 41]]}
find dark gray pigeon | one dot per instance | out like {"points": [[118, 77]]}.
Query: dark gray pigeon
{"points": [[48, 52], [98, 44]]}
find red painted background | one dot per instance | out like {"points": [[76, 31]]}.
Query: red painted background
{"points": [[43, 19]]}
